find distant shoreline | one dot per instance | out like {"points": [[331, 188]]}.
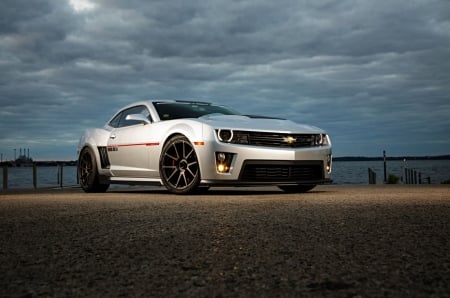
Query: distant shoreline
{"points": [[52, 163], [380, 158]]}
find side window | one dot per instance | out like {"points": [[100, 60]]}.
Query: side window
{"points": [[134, 110], [115, 121]]}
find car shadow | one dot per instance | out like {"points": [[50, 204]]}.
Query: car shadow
{"points": [[215, 191]]}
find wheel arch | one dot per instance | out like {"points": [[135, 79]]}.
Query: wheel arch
{"points": [[88, 170], [178, 133], [94, 150], [192, 130], [93, 139], [169, 137]]}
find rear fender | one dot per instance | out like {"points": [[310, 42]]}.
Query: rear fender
{"points": [[93, 139]]}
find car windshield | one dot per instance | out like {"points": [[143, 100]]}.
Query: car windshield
{"points": [[179, 110]]}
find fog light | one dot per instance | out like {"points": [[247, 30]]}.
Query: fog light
{"points": [[221, 168], [223, 162], [329, 161], [221, 156]]}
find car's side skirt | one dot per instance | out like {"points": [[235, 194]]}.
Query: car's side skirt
{"points": [[129, 181]]}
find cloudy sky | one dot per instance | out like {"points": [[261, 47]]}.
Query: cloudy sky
{"points": [[374, 74]]}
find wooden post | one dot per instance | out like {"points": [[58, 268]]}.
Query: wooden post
{"points": [[372, 176], [60, 175], [5, 177], [385, 170], [34, 175]]}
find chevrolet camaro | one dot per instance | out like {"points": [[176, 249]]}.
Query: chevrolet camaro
{"points": [[189, 146]]}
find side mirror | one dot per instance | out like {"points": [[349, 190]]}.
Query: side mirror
{"points": [[138, 117]]}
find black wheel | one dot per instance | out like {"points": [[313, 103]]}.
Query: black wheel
{"points": [[88, 172], [178, 166], [296, 188]]}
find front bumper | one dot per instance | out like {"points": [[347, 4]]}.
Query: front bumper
{"points": [[251, 165]]}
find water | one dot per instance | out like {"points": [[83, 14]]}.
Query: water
{"points": [[344, 172], [22, 177], [356, 172]]}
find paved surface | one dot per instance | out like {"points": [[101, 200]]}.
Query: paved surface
{"points": [[339, 241]]}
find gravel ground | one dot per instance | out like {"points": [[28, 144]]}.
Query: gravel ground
{"points": [[336, 241]]}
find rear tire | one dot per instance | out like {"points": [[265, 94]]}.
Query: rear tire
{"points": [[178, 166], [88, 172], [296, 188]]}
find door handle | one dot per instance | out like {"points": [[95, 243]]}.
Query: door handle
{"points": [[112, 137]]}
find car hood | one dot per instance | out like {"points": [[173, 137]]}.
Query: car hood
{"points": [[257, 123]]}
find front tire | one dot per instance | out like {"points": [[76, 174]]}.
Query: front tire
{"points": [[178, 166], [296, 188], [88, 172]]}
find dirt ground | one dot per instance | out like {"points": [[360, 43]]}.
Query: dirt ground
{"points": [[337, 241]]}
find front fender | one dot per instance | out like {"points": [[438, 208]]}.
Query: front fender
{"points": [[190, 129]]}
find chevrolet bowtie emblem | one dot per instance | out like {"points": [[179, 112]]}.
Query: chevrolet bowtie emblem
{"points": [[290, 140]]}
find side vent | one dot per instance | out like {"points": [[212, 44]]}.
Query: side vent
{"points": [[104, 160]]}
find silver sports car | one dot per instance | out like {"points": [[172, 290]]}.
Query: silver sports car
{"points": [[189, 146]]}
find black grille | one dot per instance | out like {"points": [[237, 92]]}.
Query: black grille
{"points": [[273, 139], [282, 172]]}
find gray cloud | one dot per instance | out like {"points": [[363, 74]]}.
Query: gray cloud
{"points": [[376, 75]]}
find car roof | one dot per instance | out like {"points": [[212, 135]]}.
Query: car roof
{"points": [[151, 101]]}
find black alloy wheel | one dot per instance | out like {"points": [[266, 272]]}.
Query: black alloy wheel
{"points": [[88, 172], [178, 166]]}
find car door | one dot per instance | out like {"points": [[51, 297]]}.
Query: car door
{"points": [[129, 145]]}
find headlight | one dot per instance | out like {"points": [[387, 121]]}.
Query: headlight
{"points": [[325, 140], [320, 140], [225, 135]]}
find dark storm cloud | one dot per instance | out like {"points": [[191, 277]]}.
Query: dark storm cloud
{"points": [[374, 74]]}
